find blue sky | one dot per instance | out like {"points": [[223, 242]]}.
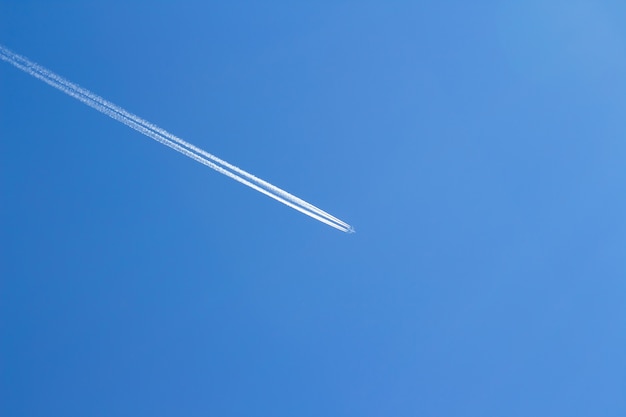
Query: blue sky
{"points": [[477, 148]]}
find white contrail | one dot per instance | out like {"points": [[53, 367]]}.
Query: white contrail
{"points": [[164, 137], [178, 148], [46, 75]]}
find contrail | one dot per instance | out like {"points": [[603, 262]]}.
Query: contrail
{"points": [[164, 137]]}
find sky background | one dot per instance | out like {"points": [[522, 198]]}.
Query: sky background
{"points": [[477, 147]]}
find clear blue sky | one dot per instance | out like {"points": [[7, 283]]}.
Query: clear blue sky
{"points": [[478, 148]]}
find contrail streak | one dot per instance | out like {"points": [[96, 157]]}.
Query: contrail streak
{"points": [[164, 137]]}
